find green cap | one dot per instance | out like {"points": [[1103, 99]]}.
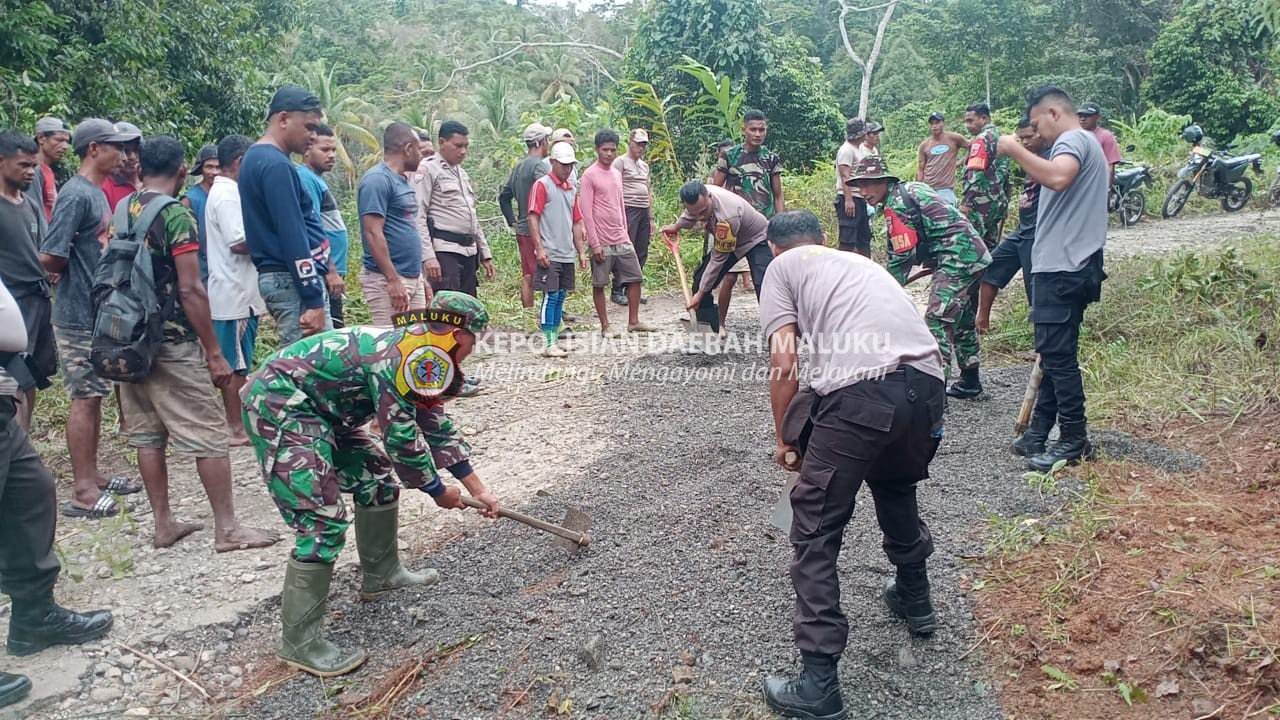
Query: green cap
{"points": [[469, 307]]}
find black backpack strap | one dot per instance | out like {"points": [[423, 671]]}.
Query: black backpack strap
{"points": [[137, 230]]}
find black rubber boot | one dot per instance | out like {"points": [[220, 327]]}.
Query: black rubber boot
{"points": [[1033, 438], [968, 387], [38, 624], [815, 695], [13, 688], [619, 296], [1072, 446], [907, 596]]}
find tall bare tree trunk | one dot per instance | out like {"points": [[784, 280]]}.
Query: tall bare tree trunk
{"points": [[868, 65]]}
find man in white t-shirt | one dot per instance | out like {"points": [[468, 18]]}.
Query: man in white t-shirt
{"points": [[234, 300], [851, 209]]}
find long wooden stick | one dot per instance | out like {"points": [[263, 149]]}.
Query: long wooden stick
{"points": [[1029, 399], [166, 668], [566, 533]]}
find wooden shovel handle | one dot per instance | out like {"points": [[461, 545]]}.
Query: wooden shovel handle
{"points": [[566, 533]]}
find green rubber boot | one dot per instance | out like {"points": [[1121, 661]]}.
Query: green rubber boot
{"points": [[376, 529], [302, 641]]}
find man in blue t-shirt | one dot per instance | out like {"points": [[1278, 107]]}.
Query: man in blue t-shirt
{"points": [[316, 161], [391, 273], [1066, 266], [197, 195], [281, 225]]}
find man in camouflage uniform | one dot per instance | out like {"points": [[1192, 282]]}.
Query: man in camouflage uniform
{"points": [[985, 188], [305, 412], [924, 228]]}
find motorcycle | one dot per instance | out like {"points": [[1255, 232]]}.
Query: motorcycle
{"points": [[1126, 196], [1273, 195], [1213, 174]]}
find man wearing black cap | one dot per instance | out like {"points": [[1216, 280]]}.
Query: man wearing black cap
{"points": [[52, 136], [196, 197], [1089, 114], [77, 234], [936, 163], [282, 227]]}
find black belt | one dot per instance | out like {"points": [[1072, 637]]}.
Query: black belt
{"points": [[449, 235]]}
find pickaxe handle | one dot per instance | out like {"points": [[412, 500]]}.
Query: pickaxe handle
{"points": [[1029, 399], [567, 534]]}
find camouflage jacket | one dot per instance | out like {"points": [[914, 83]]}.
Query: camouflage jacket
{"points": [[985, 189], [344, 378], [926, 229]]}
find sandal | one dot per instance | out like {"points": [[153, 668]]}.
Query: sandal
{"points": [[122, 486], [105, 507]]}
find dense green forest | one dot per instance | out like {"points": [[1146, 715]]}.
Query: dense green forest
{"points": [[685, 68]]}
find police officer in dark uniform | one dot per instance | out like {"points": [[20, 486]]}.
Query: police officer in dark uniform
{"points": [[28, 565], [874, 415]]}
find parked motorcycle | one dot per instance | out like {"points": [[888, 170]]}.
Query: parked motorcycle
{"points": [[1212, 174], [1126, 196], [1273, 195]]}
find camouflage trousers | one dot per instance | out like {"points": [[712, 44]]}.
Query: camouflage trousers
{"points": [[952, 316], [307, 469], [986, 218]]}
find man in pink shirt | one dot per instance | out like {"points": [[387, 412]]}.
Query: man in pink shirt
{"points": [[1089, 115], [605, 219]]}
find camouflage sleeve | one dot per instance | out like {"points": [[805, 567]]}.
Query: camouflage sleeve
{"points": [[900, 263], [410, 456], [448, 448]]}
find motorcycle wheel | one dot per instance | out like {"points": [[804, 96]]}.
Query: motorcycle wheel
{"points": [[1238, 196], [1273, 195], [1132, 207], [1114, 200], [1176, 199]]}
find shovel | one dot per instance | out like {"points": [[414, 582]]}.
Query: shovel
{"points": [[781, 517], [1029, 399], [696, 329], [572, 536]]}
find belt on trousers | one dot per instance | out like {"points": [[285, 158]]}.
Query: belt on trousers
{"points": [[449, 235]]}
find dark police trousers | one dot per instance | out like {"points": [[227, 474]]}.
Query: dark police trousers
{"points": [[855, 230], [28, 565], [758, 259], [1058, 301], [884, 432]]}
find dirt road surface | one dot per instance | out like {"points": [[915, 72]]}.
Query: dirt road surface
{"points": [[681, 605]]}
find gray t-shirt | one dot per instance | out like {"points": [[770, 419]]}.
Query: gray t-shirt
{"points": [[78, 232], [388, 195], [1071, 224], [858, 321], [529, 169], [21, 230]]}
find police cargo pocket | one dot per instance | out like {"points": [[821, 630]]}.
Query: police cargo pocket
{"points": [[868, 414]]}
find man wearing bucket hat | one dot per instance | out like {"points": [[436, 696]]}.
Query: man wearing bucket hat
{"points": [[851, 210], [197, 195], [925, 229], [305, 411]]}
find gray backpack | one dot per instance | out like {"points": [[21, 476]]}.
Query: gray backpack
{"points": [[128, 318]]}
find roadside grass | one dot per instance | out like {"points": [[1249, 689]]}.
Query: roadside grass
{"points": [[1141, 593], [1196, 333]]}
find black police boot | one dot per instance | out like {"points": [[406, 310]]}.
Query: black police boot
{"points": [[968, 387], [13, 688], [815, 695], [38, 624], [1033, 438], [1073, 446], [907, 596]]}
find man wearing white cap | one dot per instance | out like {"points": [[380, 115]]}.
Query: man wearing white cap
{"points": [[52, 137], [523, 175], [563, 135], [555, 223], [637, 198]]}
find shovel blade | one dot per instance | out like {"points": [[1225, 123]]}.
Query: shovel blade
{"points": [[577, 521], [782, 514]]}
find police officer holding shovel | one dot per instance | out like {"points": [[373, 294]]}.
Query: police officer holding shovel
{"points": [[874, 415]]}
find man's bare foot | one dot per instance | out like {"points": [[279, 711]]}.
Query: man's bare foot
{"points": [[239, 440], [244, 538], [172, 533]]}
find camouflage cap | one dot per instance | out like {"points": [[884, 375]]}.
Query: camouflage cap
{"points": [[463, 304], [871, 168]]}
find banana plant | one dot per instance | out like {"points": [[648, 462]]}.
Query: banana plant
{"points": [[718, 104], [661, 148]]}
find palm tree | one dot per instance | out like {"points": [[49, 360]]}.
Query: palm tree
{"points": [[557, 72], [354, 121], [493, 100]]}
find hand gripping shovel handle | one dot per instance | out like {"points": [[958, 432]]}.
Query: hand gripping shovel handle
{"points": [[567, 534]]}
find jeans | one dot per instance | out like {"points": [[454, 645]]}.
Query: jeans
{"points": [[285, 305]]}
